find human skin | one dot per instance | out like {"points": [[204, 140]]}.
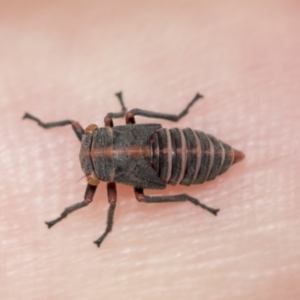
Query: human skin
{"points": [[66, 60]]}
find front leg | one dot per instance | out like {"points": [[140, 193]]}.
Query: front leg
{"points": [[88, 198], [75, 125]]}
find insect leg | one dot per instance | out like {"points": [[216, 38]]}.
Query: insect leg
{"points": [[88, 198], [75, 125], [139, 194], [108, 119], [112, 199], [150, 114]]}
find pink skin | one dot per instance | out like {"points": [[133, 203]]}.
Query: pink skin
{"points": [[66, 60]]}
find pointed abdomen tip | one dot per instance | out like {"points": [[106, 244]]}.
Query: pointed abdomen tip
{"points": [[238, 156]]}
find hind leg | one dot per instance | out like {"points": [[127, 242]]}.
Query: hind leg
{"points": [[139, 194], [157, 115]]}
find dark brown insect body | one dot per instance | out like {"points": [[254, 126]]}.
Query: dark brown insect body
{"points": [[146, 156]]}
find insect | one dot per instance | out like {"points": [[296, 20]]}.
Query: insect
{"points": [[145, 156]]}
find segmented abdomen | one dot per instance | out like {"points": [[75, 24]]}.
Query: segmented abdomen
{"points": [[185, 156]]}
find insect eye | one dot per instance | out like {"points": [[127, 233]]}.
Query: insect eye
{"points": [[90, 129], [92, 179]]}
